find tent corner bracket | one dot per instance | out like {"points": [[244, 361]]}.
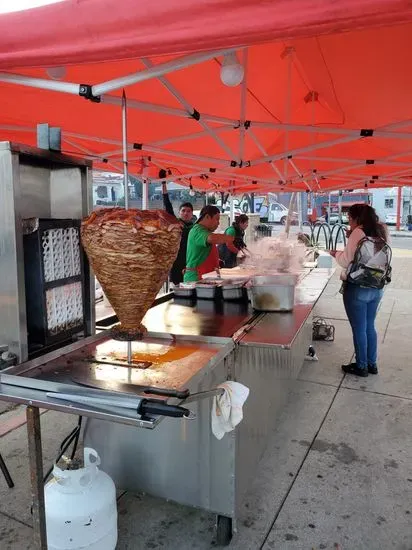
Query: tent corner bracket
{"points": [[85, 90], [366, 132]]}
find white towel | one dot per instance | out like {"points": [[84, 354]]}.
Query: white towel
{"points": [[227, 409]]}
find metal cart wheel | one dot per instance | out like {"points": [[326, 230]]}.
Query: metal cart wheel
{"points": [[224, 530]]}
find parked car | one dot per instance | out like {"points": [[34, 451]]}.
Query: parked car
{"points": [[390, 219], [334, 218]]}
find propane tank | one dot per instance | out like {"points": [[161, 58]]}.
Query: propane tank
{"points": [[81, 508]]}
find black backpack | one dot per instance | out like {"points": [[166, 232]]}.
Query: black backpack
{"points": [[371, 266]]}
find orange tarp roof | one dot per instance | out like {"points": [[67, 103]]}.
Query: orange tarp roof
{"points": [[322, 111]]}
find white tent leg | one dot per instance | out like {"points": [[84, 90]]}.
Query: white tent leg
{"points": [[290, 211], [124, 141], [299, 203], [145, 194], [232, 208], [243, 98]]}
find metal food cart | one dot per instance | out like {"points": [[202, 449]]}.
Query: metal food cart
{"points": [[129, 406]]}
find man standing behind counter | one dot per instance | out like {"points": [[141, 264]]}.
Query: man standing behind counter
{"points": [[185, 216], [202, 255]]}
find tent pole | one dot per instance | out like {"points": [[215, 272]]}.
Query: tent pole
{"points": [[232, 207], [296, 169], [124, 140], [219, 172], [356, 161], [311, 129], [294, 152], [299, 207], [177, 95], [252, 135], [243, 98], [42, 83], [290, 211], [145, 194], [289, 53], [187, 137], [126, 185], [171, 111], [157, 70], [179, 154]]}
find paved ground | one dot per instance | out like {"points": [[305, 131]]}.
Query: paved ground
{"points": [[337, 473]]}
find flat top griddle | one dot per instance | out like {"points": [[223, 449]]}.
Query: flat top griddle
{"points": [[156, 363]]}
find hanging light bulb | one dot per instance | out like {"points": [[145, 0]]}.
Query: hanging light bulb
{"points": [[56, 73], [192, 192], [232, 72]]}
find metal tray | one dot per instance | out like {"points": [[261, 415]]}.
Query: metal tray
{"points": [[184, 292], [208, 292], [273, 293], [234, 292]]}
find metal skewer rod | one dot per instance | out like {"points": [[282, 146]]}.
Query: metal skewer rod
{"points": [[125, 183], [124, 146]]}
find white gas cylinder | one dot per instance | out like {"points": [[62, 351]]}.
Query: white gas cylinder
{"points": [[81, 508]]}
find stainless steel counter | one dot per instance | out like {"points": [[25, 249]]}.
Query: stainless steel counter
{"points": [[266, 356], [281, 329], [268, 361], [203, 318]]}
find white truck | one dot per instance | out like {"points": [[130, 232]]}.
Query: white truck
{"points": [[278, 213], [265, 205]]}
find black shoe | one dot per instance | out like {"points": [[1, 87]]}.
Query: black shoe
{"points": [[353, 368], [372, 369]]}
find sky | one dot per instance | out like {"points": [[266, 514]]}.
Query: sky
{"points": [[7, 6]]}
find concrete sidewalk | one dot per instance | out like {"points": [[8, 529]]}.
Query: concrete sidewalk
{"points": [[337, 473]]}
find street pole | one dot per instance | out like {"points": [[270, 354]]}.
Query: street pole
{"points": [[398, 208], [340, 206], [330, 208]]}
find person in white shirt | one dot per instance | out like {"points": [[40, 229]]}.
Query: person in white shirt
{"points": [[361, 304]]}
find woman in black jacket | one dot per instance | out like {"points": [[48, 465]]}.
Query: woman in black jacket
{"points": [[236, 230]]}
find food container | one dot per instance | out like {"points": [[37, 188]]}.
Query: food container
{"points": [[208, 291], [184, 291], [233, 291], [273, 293]]}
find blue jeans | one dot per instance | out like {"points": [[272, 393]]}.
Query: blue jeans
{"points": [[361, 305]]}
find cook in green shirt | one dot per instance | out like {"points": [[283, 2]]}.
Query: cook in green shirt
{"points": [[202, 255]]}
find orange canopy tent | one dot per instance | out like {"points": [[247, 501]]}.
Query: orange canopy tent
{"points": [[317, 109]]}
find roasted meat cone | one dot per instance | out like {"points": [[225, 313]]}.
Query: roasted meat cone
{"points": [[131, 253]]}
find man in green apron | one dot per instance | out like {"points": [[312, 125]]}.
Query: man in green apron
{"points": [[202, 255]]}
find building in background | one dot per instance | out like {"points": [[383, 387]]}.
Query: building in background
{"points": [[108, 189], [385, 202]]}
